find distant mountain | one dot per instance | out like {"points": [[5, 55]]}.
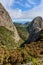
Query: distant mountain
{"points": [[21, 24], [17, 24], [27, 23]]}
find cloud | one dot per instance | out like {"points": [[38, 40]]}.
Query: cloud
{"points": [[19, 14], [22, 4], [27, 5], [31, 2], [36, 11], [19, 3], [7, 3]]}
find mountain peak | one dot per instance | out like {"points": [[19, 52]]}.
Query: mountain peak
{"points": [[1, 6], [35, 27]]}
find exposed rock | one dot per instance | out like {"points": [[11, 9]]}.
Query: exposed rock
{"points": [[35, 28], [5, 20], [36, 25]]}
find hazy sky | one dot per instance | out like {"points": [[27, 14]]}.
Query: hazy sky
{"points": [[23, 10]]}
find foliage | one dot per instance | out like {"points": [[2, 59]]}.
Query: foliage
{"points": [[23, 32]]}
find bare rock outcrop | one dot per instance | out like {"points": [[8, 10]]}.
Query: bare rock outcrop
{"points": [[35, 27]]}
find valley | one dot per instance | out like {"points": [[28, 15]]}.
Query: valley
{"points": [[20, 44]]}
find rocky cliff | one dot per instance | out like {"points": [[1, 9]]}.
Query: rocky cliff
{"points": [[35, 27], [5, 20]]}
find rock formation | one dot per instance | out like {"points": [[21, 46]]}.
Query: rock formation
{"points": [[35, 27], [5, 20]]}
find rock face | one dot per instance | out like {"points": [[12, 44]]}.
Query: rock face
{"points": [[34, 29], [36, 24], [5, 20]]}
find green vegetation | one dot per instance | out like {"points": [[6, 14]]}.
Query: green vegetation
{"points": [[23, 32], [6, 38]]}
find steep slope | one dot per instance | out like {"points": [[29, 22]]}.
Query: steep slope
{"points": [[6, 38], [5, 20], [35, 27], [36, 48]]}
